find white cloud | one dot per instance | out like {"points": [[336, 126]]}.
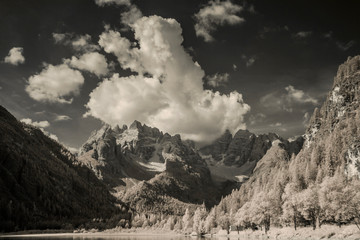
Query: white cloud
{"points": [[287, 100], [93, 62], [172, 97], [60, 37], [234, 67], [55, 84], [218, 79], [299, 95], [79, 43], [111, 2], [15, 56], [41, 124], [131, 16], [306, 119], [216, 13], [59, 118], [303, 34], [278, 124]]}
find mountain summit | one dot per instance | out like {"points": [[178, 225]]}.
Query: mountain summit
{"points": [[140, 163]]}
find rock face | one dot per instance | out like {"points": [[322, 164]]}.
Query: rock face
{"points": [[143, 164], [333, 133], [232, 160], [42, 184], [243, 147]]}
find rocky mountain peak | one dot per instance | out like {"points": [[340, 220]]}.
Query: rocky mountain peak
{"points": [[347, 69], [243, 147]]}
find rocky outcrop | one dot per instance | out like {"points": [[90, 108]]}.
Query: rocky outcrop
{"points": [[243, 147], [126, 157]]}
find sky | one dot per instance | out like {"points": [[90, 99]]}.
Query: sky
{"points": [[191, 67]]}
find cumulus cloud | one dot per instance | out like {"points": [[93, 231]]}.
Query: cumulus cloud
{"points": [[78, 43], [102, 3], [167, 91], [130, 16], [41, 124], [286, 100], [55, 84], [218, 79], [59, 118], [93, 62], [15, 56], [216, 13]]}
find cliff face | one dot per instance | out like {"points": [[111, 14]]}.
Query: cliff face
{"points": [[243, 147], [41, 183], [140, 160], [333, 133]]}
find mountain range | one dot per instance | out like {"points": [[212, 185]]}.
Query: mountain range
{"points": [[139, 169]]}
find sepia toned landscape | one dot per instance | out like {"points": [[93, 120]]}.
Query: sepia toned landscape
{"points": [[214, 119]]}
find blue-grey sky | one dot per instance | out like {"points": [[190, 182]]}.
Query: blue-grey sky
{"points": [[189, 67]]}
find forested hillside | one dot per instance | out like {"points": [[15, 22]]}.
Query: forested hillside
{"points": [[43, 186]]}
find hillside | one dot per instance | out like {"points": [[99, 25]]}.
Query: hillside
{"points": [[41, 183]]}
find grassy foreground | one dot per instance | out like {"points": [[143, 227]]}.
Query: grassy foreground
{"points": [[325, 232]]}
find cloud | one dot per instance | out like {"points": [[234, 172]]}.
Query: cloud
{"points": [[78, 43], [102, 3], [303, 34], [167, 90], [257, 118], [287, 100], [249, 61], [215, 14], [299, 95], [15, 56], [278, 124], [59, 118], [93, 62], [218, 79], [130, 16], [306, 118], [234, 67], [55, 84], [41, 124], [345, 46]]}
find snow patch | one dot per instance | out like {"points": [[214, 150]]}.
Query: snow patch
{"points": [[154, 166]]}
